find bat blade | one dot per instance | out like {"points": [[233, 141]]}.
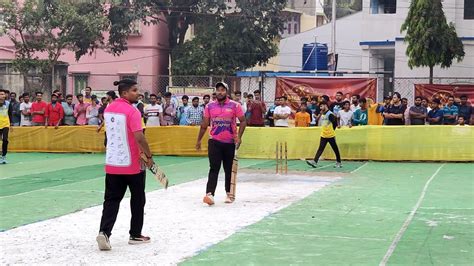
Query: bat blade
{"points": [[233, 179]]}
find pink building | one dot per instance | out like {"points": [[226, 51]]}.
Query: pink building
{"points": [[146, 58]]}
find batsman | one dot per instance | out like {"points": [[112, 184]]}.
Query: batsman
{"points": [[224, 140]]}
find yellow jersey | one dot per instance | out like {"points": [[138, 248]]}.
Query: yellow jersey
{"points": [[4, 115], [327, 126]]}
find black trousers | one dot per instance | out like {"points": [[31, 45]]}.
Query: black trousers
{"points": [[4, 133], [322, 145], [115, 188], [219, 153]]}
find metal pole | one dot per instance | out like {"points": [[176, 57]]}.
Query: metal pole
{"points": [[333, 31]]}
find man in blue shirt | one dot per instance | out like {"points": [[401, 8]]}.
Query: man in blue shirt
{"points": [[361, 115], [450, 112], [182, 111], [435, 116], [465, 110]]}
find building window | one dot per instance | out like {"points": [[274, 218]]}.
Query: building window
{"points": [[383, 6], [80, 82], [135, 28], [289, 28], [468, 9], [132, 77], [296, 29]]}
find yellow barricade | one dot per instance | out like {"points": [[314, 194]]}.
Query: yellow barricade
{"points": [[387, 143]]}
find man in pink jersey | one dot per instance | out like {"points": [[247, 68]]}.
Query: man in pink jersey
{"points": [[223, 140], [123, 166]]}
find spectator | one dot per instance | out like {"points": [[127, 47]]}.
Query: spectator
{"points": [[418, 112], [345, 116], [206, 98], [257, 109], [54, 112], [405, 102], [194, 113], [465, 110], [111, 96], [68, 107], [361, 114], [355, 102], [336, 106], [169, 111], [80, 110], [92, 112], [395, 112], [238, 98], [153, 112], [450, 112], [246, 94], [302, 118], [282, 113], [270, 112], [182, 110], [16, 113], [382, 108], [425, 103], [461, 121], [38, 110], [314, 111], [88, 96], [103, 101], [141, 107], [348, 97], [247, 113], [60, 95], [435, 116], [25, 109], [214, 96]]}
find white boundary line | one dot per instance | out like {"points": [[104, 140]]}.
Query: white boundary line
{"points": [[358, 168], [407, 222]]}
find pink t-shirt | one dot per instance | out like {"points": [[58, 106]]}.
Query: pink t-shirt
{"points": [[223, 120], [122, 153]]}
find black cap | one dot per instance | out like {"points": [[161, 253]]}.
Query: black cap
{"points": [[222, 84]]}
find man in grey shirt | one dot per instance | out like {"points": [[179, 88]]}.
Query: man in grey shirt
{"points": [[418, 112], [68, 106]]}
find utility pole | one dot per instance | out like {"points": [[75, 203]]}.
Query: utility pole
{"points": [[333, 31]]}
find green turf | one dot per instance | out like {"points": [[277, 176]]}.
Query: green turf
{"points": [[354, 222], [39, 186]]}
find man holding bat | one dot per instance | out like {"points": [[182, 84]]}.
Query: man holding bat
{"points": [[223, 140], [123, 164]]}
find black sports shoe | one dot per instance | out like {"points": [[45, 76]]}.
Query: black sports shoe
{"points": [[135, 240], [103, 241]]}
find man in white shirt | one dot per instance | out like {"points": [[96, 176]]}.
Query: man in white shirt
{"points": [[25, 107], [355, 102], [153, 112], [282, 113], [344, 117]]}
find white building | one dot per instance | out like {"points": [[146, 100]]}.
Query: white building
{"points": [[371, 40]]}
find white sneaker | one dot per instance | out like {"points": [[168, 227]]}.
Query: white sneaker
{"points": [[103, 241], [338, 165], [208, 199], [312, 163], [3, 160]]}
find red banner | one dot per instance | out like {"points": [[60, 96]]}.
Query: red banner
{"points": [[295, 88], [442, 92]]}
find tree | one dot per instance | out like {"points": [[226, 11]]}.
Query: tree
{"points": [[246, 33], [41, 30], [431, 40]]}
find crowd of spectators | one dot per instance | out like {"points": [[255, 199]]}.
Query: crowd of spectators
{"points": [[166, 110]]}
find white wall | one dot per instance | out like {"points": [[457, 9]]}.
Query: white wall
{"points": [[364, 26]]}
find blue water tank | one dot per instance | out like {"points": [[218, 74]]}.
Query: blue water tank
{"points": [[317, 54]]}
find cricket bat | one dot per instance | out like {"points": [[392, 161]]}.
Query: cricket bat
{"points": [[157, 172], [233, 178]]}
